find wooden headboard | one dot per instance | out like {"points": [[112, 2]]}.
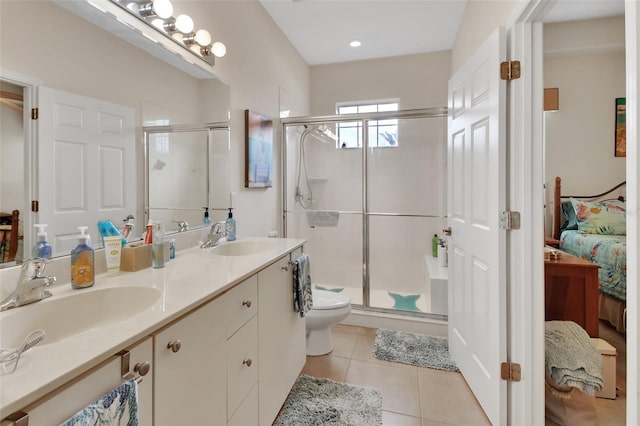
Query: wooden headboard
{"points": [[557, 200]]}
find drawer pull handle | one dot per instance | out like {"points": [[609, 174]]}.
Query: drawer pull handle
{"points": [[142, 368], [247, 362], [174, 346], [246, 303]]}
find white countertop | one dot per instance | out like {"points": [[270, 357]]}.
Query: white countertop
{"points": [[192, 278]]}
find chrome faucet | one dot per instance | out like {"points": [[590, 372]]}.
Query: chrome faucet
{"points": [[217, 231], [182, 225], [31, 284]]}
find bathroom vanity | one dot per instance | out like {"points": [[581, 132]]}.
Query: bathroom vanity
{"points": [[215, 340]]}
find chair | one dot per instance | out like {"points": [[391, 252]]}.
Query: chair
{"points": [[9, 235]]}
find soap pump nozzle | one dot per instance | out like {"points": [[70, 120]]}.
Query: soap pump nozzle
{"points": [[84, 238], [42, 231]]}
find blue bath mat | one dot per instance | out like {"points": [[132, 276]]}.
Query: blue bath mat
{"points": [[406, 303]]}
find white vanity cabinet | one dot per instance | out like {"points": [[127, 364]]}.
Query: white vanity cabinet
{"points": [[190, 370], [66, 401], [281, 340]]}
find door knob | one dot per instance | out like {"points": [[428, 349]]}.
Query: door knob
{"points": [[142, 368], [247, 362], [246, 303], [447, 231]]}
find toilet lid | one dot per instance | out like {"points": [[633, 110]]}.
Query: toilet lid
{"points": [[325, 300]]}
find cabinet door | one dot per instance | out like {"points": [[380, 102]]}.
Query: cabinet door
{"points": [[281, 342], [93, 385], [190, 369], [242, 364]]}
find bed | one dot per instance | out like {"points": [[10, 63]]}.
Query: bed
{"points": [[593, 228]]}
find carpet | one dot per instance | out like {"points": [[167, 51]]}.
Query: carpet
{"points": [[414, 349], [319, 402]]}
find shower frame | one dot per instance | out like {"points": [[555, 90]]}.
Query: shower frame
{"points": [[363, 119]]}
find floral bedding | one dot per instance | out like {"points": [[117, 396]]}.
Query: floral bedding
{"points": [[607, 251]]}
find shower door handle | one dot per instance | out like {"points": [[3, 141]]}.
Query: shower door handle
{"points": [[447, 231]]}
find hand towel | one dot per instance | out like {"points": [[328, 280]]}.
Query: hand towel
{"points": [[570, 359], [322, 218], [302, 297], [117, 408]]}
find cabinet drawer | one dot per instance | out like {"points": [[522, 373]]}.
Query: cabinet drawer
{"points": [[241, 303], [247, 413], [242, 364]]}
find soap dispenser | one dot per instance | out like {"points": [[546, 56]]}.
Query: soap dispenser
{"points": [[42, 247], [83, 262], [206, 220], [230, 227]]}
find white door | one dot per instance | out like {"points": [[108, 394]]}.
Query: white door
{"points": [[476, 196], [86, 165]]}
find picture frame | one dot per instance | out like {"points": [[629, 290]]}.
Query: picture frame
{"points": [[621, 128], [258, 150]]}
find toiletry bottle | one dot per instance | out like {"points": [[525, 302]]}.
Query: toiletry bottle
{"points": [[206, 220], [157, 246], [442, 254], [42, 247], [82, 262], [230, 226], [434, 245]]}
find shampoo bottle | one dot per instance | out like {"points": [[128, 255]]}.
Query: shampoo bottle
{"points": [[42, 247], [206, 220], [82, 262], [230, 227], [434, 245]]}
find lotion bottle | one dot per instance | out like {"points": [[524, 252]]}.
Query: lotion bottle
{"points": [[230, 227], [83, 262], [42, 248], [157, 246]]}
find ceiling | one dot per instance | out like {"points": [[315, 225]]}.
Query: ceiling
{"points": [[321, 29]]}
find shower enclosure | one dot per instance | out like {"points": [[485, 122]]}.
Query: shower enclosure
{"points": [[369, 215]]}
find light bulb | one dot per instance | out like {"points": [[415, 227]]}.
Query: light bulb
{"points": [[184, 24], [163, 8], [219, 49], [203, 38], [355, 43]]}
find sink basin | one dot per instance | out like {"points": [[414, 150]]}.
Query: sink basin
{"points": [[67, 316], [243, 247]]}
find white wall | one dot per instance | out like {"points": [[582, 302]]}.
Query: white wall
{"points": [[586, 61], [11, 147]]}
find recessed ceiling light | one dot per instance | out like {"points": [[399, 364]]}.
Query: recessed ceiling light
{"points": [[355, 43]]}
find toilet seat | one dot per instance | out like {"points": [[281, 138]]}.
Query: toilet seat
{"points": [[328, 300]]}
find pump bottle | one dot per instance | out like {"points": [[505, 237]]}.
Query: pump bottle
{"points": [[230, 227], [206, 220], [83, 262], [42, 248]]}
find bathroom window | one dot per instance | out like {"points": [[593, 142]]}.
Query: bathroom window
{"points": [[382, 133]]}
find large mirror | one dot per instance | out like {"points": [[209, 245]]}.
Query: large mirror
{"points": [[45, 48]]}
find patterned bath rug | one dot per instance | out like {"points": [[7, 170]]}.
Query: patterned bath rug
{"points": [[406, 303], [320, 402], [414, 349]]}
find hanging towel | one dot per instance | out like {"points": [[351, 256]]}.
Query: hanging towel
{"points": [[570, 359], [320, 218], [302, 300], [117, 408]]}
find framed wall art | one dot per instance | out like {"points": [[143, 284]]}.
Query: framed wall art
{"points": [[258, 150], [621, 128]]}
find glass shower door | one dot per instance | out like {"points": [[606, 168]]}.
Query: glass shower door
{"points": [[323, 204], [405, 209]]}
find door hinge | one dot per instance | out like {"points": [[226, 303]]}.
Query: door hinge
{"points": [[35, 206], [510, 70], [34, 113], [510, 220], [510, 371]]}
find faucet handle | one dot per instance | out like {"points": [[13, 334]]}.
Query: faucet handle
{"points": [[33, 267]]}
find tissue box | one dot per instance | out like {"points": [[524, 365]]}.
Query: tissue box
{"points": [[135, 257]]}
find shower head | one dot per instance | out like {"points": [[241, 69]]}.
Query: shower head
{"points": [[322, 133]]}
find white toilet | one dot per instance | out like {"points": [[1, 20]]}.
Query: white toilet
{"points": [[329, 308]]}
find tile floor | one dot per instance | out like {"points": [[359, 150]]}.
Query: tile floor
{"points": [[411, 395], [415, 396]]}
